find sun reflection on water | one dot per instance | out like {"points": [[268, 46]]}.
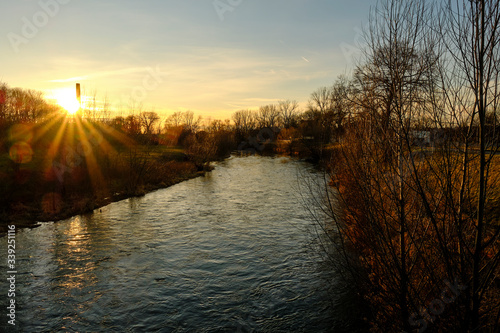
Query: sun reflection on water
{"points": [[76, 276]]}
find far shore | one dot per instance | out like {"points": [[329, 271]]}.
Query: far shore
{"points": [[32, 217]]}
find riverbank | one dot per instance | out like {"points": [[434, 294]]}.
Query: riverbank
{"points": [[79, 188], [30, 216]]}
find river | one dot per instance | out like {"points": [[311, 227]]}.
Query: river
{"points": [[226, 252]]}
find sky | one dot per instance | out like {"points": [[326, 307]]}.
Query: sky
{"points": [[212, 57]]}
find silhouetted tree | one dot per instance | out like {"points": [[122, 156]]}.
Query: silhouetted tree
{"points": [[470, 31], [244, 123], [148, 120], [268, 116], [132, 125], [289, 111]]}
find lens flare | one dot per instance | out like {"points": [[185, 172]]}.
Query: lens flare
{"points": [[21, 152]]}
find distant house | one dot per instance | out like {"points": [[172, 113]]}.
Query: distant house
{"points": [[421, 138]]}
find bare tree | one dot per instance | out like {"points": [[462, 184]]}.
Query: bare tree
{"points": [[132, 125], [268, 116], [21, 105], [186, 120], [3, 101], [342, 103], [377, 177], [94, 109], [289, 111], [105, 109], [219, 125], [91, 107], [418, 216], [244, 122], [174, 120], [190, 122], [148, 121], [320, 114], [470, 31], [321, 100]]}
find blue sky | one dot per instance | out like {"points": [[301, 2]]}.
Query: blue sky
{"points": [[180, 55]]}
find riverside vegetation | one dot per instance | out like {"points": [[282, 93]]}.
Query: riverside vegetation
{"points": [[410, 142], [413, 211], [54, 165]]}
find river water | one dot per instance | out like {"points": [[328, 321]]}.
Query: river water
{"points": [[227, 252]]}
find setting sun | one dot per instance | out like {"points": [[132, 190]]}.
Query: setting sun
{"points": [[66, 98]]}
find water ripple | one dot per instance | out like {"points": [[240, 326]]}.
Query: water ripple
{"points": [[221, 253]]}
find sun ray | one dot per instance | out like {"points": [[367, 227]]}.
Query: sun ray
{"points": [[51, 169], [117, 135], [56, 142], [46, 126], [89, 153], [98, 136]]}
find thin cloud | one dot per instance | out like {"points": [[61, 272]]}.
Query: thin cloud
{"points": [[71, 79], [264, 100], [102, 74]]}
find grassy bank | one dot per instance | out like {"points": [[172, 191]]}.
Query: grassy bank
{"points": [[416, 208], [52, 173]]}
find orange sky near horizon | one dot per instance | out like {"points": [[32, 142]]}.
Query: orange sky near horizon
{"points": [[175, 55]]}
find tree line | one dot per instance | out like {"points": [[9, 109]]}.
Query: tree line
{"points": [[18, 105], [55, 165], [321, 121]]}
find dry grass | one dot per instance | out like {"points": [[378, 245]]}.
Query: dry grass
{"points": [[368, 182], [29, 194]]}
